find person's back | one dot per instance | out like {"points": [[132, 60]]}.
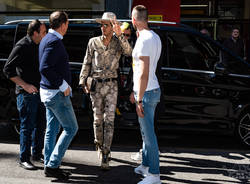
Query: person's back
{"points": [[147, 92], [55, 93], [153, 50], [30, 68], [58, 58]]}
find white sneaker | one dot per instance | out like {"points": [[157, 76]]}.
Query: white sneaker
{"points": [[151, 179], [142, 170], [137, 156]]}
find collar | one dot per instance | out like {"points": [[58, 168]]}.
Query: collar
{"points": [[30, 39], [235, 40], [52, 31]]}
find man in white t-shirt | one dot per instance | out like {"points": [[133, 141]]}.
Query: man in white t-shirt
{"points": [[147, 92]]}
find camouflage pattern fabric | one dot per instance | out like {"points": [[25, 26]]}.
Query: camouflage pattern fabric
{"points": [[104, 104]]}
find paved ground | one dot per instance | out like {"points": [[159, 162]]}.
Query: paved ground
{"points": [[179, 164]]}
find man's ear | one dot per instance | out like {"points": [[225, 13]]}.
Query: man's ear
{"points": [[35, 34], [133, 20]]}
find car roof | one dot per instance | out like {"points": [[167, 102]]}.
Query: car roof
{"points": [[156, 25], [87, 21]]}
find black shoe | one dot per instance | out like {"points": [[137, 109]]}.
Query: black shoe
{"points": [[38, 158], [27, 165], [66, 172], [56, 173]]}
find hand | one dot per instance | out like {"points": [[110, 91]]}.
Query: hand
{"points": [[30, 88], [132, 98], [116, 27], [140, 110], [67, 92], [85, 89]]}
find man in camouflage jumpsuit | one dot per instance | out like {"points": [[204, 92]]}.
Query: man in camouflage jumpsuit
{"points": [[101, 63]]}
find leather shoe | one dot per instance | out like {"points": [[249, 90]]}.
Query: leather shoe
{"points": [[27, 165], [66, 172], [56, 173], [38, 159]]}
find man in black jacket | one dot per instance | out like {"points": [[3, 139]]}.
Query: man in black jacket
{"points": [[22, 67], [236, 45]]}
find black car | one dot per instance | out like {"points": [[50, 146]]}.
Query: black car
{"points": [[200, 93]]}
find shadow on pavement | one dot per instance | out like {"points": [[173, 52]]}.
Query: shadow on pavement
{"points": [[93, 174], [202, 165]]}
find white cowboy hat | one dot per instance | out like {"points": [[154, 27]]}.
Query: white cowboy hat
{"points": [[106, 17]]}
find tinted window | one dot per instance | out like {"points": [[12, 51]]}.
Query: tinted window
{"points": [[76, 40], [21, 31], [163, 61], [185, 52], [7, 34]]}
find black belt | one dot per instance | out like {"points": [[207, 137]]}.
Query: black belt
{"points": [[106, 80]]}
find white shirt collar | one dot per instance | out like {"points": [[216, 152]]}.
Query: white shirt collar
{"points": [[52, 31]]}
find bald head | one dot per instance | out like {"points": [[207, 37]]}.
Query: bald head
{"points": [[57, 18], [140, 13]]}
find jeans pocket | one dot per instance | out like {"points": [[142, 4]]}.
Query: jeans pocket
{"points": [[67, 101], [156, 95], [52, 102]]}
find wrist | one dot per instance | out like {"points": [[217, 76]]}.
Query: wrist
{"points": [[120, 36], [138, 102]]}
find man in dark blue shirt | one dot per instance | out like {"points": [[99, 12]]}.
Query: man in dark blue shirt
{"points": [[22, 67], [55, 92]]}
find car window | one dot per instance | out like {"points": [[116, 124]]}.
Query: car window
{"points": [[21, 31], [7, 34], [163, 61], [214, 55], [76, 41], [185, 52]]}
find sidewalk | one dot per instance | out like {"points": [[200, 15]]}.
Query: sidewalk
{"points": [[177, 166]]}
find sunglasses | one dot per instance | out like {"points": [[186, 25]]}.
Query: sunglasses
{"points": [[105, 25], [127, 35]]}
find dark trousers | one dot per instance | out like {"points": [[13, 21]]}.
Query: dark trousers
{"points": [[32, 127]]}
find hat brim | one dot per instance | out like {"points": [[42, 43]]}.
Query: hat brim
{"points": [[102, 20]]}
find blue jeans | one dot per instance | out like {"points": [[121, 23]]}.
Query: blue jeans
{"points": [[150, 154], [32, 119], [59, 112]]}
